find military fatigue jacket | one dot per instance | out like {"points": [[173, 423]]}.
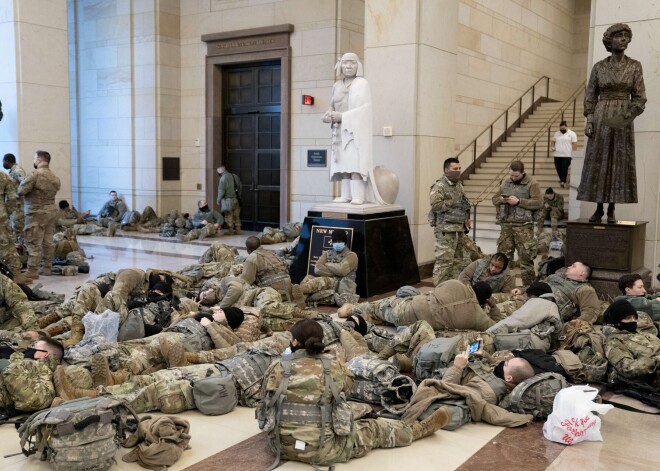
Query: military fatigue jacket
{"points": [[211, 216], [451, 206], [529, 194], [648, 304], [15, 309], [337, 264], [262, 268], [7, 198], [227, 187], [502, 283], [39, 189], [633, 355], [113, 209]]}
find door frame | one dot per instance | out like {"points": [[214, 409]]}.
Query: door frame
{"points": [[249, 46]]}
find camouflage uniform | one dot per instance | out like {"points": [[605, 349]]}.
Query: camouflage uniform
{"points": [[218, 252], [574, 296], [648, 304], [27, 384], [8, 251], [17, 174], [229, 189], [112, 212], [263, 268], [67, 218], [129, 282], [451, 209], [635, 356], [478, 271], [335, 274], [306, 387], [39, 189], [211, 217], [15, 309], [554, 211], [517, 223]]}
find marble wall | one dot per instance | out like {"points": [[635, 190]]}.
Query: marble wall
{"points": [[34, 84]]}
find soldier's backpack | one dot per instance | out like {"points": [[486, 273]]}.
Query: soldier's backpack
{"points": [[248, 369], [133, 327], [168, 230], [82, 434], [130, 218], [370, 378], [215, 395], [535, 395], [434, 355]]}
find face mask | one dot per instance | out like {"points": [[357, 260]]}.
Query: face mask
{"points": [[30, 352], [563, 131], [155, 297], [204, 209], [453, 176], [627, 327], [338, 246], [35, 166]]}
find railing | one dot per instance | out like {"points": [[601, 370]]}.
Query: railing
{"points": [[493, 142], [557, 116]]}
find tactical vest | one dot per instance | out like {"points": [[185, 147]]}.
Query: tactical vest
{"points": [[458, 212], [486, 373], [271, 273], [248, 369], [564, 290], [338, 257], [495, 282], [515, 214]]}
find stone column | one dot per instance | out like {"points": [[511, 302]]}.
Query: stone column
{"points": [[644, 19], [410, 62], [34, 84]]}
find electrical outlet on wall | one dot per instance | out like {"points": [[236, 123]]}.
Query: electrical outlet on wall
{"points": [[199, 186]]}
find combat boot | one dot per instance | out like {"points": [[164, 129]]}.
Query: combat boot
{"points": [[46, 271], [431, 424], [298, 296], [112, 230], [22, 279], [238, 230], [101, 374], [54, 329], [173, 352], [66, 390], [402, 362], [192, 358], [48, 319], [77, 334], [32, 274], [345, 311], [386, 352]]}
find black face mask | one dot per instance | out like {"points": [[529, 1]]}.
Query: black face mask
{"points": [[627, 327], [153, 297], [293, 349], [563, 131], [204, 209], [30, 352], [35, 166], [499, 370]]}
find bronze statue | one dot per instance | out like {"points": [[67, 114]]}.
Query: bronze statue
{"points": [[614, 97]]}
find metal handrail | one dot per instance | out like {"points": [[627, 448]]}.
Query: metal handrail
{"points": [[516, 123], [529, 146]]}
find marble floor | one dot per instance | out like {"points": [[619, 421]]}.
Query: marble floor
{"points": [[233, 441]]}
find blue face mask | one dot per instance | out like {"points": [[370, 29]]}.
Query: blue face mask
{"points": [[338, 246]]}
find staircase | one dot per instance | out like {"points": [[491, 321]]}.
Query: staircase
{"points": [[544, 174]]}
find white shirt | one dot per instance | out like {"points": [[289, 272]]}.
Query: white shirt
{"points": [[564, 143]]}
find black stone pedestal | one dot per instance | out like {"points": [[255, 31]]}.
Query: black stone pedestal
{"points": [[381, 239], [611, 250]]}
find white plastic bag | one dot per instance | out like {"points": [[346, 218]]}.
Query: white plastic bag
{"points": [[572, 419]]}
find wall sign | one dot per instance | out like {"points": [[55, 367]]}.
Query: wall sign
{"points": [[317, 158]]}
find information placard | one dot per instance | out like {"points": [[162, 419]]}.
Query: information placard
{"points": [[321, 240], [317, 158]]}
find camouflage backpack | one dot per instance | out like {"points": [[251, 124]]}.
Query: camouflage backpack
{"points": [[82, 434], [371, 376], [434, 355], [587, 344], [535, 395], [168, 230], [248, 369], [196, 338], [130, 218]]}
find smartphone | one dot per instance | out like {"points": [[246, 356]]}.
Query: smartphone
{"points": [[474, 347]]}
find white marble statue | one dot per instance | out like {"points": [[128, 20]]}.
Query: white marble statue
{"points": [[351, 119]]}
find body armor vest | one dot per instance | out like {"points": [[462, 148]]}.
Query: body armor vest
{"points": [[458, 212], [338, 257], [494, 281], [515, 214], [564, 290]]}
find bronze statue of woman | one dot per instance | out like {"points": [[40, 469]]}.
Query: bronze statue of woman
{"points": [[614, 97]]}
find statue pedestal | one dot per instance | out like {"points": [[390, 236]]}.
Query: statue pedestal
{"points": [[379, 235], [611, 250]]}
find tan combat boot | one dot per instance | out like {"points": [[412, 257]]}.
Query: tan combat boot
{"points": [[22, 278], [173, 352], [402, 362], [66, 390], [431, 424], [101, 374], [48, 319], [77, 334], [54, 329], [386, 353], [32, 273], [46, 271], [298, 296]]}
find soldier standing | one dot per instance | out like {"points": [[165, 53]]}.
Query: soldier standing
{"points": [[7, 243], [449, 216], [229, 194], [39, 190], [517, 202], [17, 174]]}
